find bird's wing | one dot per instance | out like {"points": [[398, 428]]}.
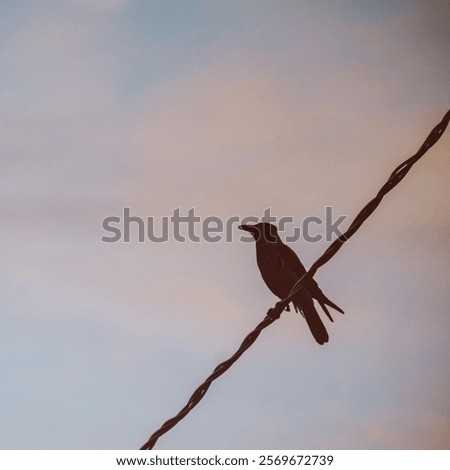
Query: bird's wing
{"points": [[291, 259], [275, 270], [296, 265]]}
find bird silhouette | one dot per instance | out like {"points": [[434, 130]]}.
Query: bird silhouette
{"points": [[280, 269]]}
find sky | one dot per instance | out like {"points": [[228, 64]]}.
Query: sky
{"points": [[228, 108]]}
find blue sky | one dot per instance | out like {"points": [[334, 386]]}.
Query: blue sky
{"points": [[229, 108]]}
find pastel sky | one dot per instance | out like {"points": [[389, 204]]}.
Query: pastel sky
{"points": [[229, 108]]}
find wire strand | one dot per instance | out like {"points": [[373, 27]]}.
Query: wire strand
{"points": [[274, 313]]}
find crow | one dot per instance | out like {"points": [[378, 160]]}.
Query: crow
{"points": [[280, 269]]}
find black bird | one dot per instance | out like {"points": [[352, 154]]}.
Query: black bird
{"points": [[280, 269]]}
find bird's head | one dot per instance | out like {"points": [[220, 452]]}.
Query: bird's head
{"points": [[262, 231]]}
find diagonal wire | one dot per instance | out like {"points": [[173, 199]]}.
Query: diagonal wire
{"points": [[274, 313]]}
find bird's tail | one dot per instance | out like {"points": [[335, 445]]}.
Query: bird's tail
{"points": [[323, 300], [304, 302]]}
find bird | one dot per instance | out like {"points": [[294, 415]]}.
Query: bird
{"points": [[281, 268]]}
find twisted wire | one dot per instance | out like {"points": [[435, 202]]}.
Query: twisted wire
{"points": [[274, 313]]}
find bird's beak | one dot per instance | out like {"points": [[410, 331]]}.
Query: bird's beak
{"points": [[251, 229]]}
